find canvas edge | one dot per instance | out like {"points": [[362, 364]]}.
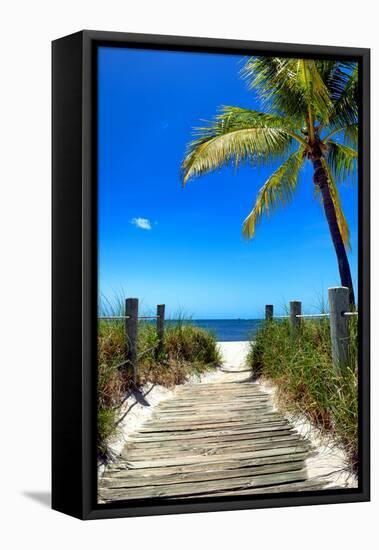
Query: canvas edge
{"points": [[85, 506]]}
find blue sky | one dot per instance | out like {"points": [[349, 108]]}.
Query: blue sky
{"points": [[184, 247]]}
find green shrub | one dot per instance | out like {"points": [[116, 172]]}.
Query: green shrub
{"points": [[111, 381], [300, 365], [185, 342]]}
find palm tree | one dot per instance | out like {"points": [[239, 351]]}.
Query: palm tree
{"points": [[311, 114]]}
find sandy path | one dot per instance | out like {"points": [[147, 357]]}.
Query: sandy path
{"points": [[214, 436], [138, 408], [234, 355], [328, 461]]}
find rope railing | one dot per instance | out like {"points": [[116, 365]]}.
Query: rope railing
{"points": [[312, 315], [118, 317], [315, 315], [113, 317], [149, 317]]}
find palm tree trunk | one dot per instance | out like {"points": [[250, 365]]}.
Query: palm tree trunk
{"points": [[321, 180]]}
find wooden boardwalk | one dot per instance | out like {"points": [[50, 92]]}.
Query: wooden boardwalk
{"points": [[211, 439]]}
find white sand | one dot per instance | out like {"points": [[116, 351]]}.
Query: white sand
{"points": [[234, 354], [328, 463]]}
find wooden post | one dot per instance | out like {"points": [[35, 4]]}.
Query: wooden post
{"points": [[160, 327], [269, 312], [131, 334], [295, 309], [339, 325]]}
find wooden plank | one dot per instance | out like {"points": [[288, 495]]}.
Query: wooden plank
{"points": [[251, 413], [255, 412], [257, 416], [229, 394], [195, 406], [207, 389], [225, 417], [147, 443], [231, 405], [179, 460], [194, 426], [204, 434], [211, 449], [303, 486], [223, 407], [209, 399], [204, 395], [201, 386], [200, 447], [212, 487], [168, 424], [275, 457], [126, 479], [223, 413]]}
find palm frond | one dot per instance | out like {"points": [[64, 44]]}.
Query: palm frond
{"points": [[231, 116], [342, 223], [349, 134], [315, 91], [345, 109], [289, 86], [342, 160], [336, 76], [270, 77], [237, 135], [278, 189]]}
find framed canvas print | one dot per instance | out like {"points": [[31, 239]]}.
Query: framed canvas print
{"points": [[210, 275]]}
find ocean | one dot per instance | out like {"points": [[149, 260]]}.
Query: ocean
{"points": [[229, 330]]}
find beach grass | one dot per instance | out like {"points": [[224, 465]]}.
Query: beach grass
{"points": [[300, 365], [187, 351]]}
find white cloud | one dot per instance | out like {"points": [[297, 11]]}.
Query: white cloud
{"points": [[142, 223]]}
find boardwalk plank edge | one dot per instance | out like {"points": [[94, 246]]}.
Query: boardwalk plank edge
{"points": [[190, 489], [122, 466], [127, 480]]}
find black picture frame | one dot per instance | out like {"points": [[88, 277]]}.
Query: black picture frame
{"points": [[74, 274]]}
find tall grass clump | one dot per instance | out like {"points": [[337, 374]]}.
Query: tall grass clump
{"points": [[299, 363], [187, 351], [112, 381]]}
